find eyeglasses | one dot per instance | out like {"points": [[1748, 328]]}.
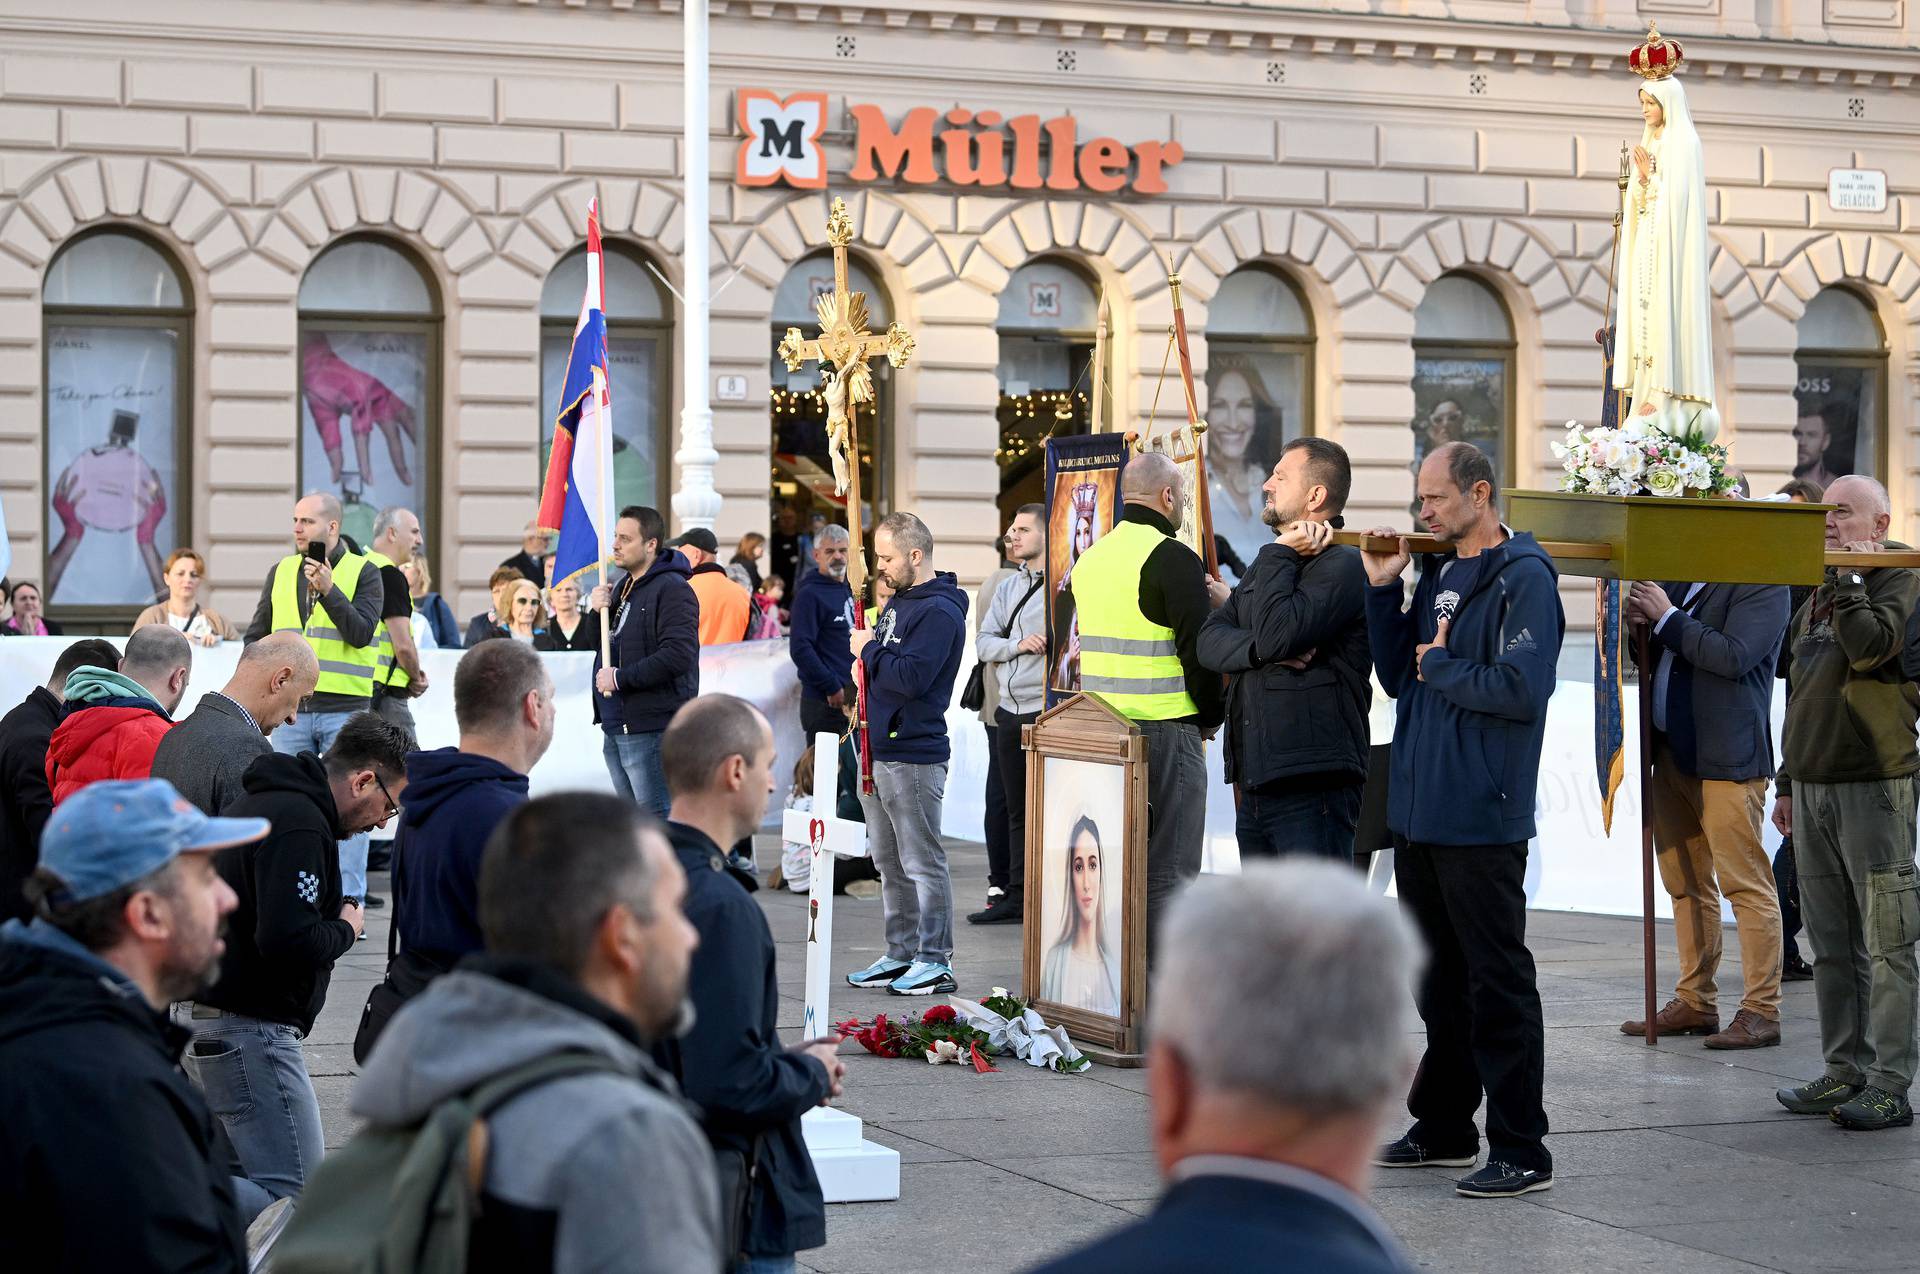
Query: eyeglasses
{"points": [[526, 601], [393, 807]]}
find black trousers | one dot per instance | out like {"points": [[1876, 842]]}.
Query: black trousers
{"points": [[1010, 766], [1479, 1001], [996, 814], [1786, 883], [817, 716]]}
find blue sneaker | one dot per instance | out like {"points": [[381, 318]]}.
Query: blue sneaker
{"points": [[923, 978], [879, 973]]}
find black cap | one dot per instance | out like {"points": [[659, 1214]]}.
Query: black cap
{"points": [[700, 538]]}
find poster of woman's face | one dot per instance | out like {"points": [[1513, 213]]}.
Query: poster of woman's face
{"points": [[1083, 864]]}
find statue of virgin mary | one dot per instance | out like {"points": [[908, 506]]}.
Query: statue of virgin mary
{"points": [[1663, 309]]}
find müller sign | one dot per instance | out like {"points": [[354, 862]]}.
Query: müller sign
{"points": [[781, 143]]}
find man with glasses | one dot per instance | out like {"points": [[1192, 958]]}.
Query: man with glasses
{"points": [[291, 925]]}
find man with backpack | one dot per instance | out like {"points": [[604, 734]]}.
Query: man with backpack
{"points": [[536, 1132]]}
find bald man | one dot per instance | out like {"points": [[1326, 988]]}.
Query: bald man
{"points": [[206, 754], [1142, 596], [330, 593], [1849, 806]]}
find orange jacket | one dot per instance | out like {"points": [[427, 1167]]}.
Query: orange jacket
{"points": [[725, 608]]}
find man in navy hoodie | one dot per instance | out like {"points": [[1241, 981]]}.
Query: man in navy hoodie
{"points": [[1472, 665], [822, 617], [911, 656], [656, 655], [503, 704]]}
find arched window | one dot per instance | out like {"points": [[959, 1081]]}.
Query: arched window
{"points": [[118, 334], [1048, 313], [639, 357], [1259, 396], [1463, 372], [369, 382], [1842, 389], [801, 493]]}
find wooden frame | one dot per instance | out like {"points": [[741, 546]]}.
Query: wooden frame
{"points": [[1085, 731]]}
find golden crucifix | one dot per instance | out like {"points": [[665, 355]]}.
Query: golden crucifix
{"points": [[843, 347]]}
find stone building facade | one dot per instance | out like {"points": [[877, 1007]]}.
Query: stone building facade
{"points": [[1385, 175]]}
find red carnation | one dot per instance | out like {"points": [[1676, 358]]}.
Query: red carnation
{"points": [[940, 1013]]}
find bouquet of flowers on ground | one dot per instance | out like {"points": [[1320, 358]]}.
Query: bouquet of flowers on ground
{"points": [[1669, 453], [939, 1035]]}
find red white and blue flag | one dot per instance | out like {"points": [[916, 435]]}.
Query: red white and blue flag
{"points": [[577, 500]]}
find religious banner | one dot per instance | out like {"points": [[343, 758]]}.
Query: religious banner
{"points": [[1609, 711], [1083, 503]]}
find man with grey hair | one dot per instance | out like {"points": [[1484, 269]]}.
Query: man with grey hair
{"points": [[820, 622], [396, 538], [113, 722], [206, 755], [1849, 806], [1142, 597], [1265, 1142], [911, 657], [333, 597]]}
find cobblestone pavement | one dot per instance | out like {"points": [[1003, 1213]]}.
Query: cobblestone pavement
{"points": [[1667, 1158]]}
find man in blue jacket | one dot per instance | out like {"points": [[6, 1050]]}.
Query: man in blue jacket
{"points": [[911, 655], [656, 655], [1711, 686], [821, 619], [751, 1090], [1472, 665]]}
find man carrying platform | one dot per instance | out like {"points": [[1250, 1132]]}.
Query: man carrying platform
{"points": [[1141, 597]]}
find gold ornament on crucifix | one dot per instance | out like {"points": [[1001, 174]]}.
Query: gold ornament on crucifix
{"points": [[843, 348]]}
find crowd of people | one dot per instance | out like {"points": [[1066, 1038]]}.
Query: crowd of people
{"points": [[589, 974]]}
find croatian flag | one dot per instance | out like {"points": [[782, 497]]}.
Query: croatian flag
{"points": [[577, 500]]}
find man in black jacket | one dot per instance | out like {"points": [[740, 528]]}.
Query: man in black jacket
{"points": [[1294, 638], [25, 798], [719, 759], [656, 655], [290, 927], [207, 755], [108, 1157]]}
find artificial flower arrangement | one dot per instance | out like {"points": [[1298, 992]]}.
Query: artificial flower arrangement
{"points": [[1669, 453], [945, 1033]]}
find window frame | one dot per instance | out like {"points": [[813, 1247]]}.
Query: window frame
{"points": [[176, 319], [1304, 346], [1507, 352], [429, 472], [1875, 363], [660, 329], [1082, 345]]}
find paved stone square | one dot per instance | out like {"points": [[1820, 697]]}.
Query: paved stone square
{"points": [[1667, 1158]]}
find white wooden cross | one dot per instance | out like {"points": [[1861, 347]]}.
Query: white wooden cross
{"points": [[829, 835], [850, 1168]]}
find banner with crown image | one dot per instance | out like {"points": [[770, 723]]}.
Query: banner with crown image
{"points": [[1083, 502]]}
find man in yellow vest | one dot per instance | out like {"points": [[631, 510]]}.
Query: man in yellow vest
{"points": [[1141, 597], [396, 538], [334, 602]]}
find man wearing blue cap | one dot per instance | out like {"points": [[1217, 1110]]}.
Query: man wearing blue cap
{"points": [[109, 1154]]}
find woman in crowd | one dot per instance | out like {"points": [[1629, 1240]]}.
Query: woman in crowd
{"points": [[185, 572], [1245, 431], [1079, 971], [28, 619], [434, 616], [526, 614], [753, 546], [493, 623], [570, 628]]}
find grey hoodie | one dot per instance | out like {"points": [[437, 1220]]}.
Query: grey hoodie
{"points": [[1022, 677], [616, 1167]]}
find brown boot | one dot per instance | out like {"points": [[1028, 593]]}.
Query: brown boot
{"points": [[1747, 1030], [1676, 1019]]}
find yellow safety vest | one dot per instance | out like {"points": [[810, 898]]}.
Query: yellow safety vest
{"points": [[344, 669], [1126, 659], [389, 673]]}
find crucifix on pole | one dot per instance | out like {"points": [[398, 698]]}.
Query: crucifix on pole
{"points": [[843, 348]]}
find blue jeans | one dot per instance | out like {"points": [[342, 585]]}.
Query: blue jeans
{"points": [[903, 835], [763, 1265], [1317, 822], [633, 762], [255, 1079], [314, 732]]}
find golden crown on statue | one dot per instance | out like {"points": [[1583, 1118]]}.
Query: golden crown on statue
{"points": [[1656, 57]]}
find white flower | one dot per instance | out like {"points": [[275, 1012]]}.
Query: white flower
{"points": [[998, 993], [1663, 480], [1696, 471], [1636, 429], [1622, 457], [943, 1051]]}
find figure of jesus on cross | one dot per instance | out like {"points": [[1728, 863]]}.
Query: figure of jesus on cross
{"points": [[843, 348]]}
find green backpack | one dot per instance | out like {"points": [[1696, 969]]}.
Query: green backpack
{"points": [[404, 1200]]}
